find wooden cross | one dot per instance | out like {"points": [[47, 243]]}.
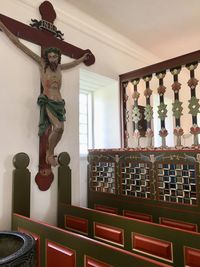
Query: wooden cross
{"points": [[46, 35]]}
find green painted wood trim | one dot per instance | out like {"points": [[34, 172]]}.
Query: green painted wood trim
{"points": [[64, 183], [82, 245], [149, 207], [178, 238], [21, 185]]}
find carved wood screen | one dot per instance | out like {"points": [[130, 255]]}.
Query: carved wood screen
{"points": [[165, 176], [168, 92]]}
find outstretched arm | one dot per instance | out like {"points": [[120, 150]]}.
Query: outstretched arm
{"points": [[16, 41], [74, 63]]}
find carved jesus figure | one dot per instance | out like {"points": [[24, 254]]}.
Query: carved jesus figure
{"points": [[51, 103]]}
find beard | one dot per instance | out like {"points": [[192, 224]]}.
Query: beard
{"points": [[53, 66]]}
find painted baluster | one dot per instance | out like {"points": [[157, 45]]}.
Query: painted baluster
{"points": [[193, 103], [177, 107], [136, 116], [148, 113], [162, 108], [125, 114]]}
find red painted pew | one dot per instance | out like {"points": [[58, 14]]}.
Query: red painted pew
{"points": [[167, 244], [60, 248]]}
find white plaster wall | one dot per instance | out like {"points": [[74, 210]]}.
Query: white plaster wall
{"points": [[20, 83], [106, 117], [83, 181]]}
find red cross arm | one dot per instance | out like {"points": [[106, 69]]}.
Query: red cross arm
{"points": [[45, 39]]}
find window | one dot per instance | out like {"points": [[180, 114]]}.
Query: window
{"points": [[85, 121], [98, 112]]}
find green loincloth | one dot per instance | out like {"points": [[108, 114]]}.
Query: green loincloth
{"points": [[56, 108]]}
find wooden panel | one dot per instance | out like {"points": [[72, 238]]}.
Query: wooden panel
{"points": [[138, 216], [152, 246], [91, 262], [109, 234], [105, 209], [81, 245], [37, 241], [192, 257], [57, 255], [178, 224], [76, 223]]}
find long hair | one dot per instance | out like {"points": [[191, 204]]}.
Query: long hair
{"points": [[49, 50]]}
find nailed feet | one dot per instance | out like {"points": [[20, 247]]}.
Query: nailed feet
{"points": [[51, 159]]}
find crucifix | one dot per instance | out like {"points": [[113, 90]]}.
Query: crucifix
{"points": [[52, 110]]}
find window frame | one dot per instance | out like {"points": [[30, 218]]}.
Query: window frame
{"points": [[90, 124]]}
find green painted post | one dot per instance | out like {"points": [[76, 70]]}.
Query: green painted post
{"points": [[64, 185], [21, 185]]}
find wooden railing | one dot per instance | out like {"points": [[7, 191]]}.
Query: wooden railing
{"points": [[154, 78], [161, 183]]}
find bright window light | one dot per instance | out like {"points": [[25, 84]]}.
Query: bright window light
{"points": [[85, 121]]}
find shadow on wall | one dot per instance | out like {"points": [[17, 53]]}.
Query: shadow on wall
{"points": [[6, 194], [43, 204]]}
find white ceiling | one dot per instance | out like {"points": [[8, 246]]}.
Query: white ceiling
{"points": [[166, 28]]}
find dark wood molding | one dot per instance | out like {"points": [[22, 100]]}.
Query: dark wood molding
{"points": [[161, 66]]}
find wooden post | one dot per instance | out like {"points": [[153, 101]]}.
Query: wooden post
{"points": [[21, 185], [64, 186]]}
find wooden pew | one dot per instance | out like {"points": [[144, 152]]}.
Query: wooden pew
{"points": [[60, 248], [163, 243], [179, 224], [137, 243]]}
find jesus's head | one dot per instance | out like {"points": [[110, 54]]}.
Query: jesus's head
{"points": [[52, 57]]}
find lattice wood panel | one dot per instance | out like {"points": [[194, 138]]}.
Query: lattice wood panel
{"points": [[135, 179], [177, 183], [102, 177]]}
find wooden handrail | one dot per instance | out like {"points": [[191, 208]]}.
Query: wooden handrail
{"points": [[161, 66]]}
